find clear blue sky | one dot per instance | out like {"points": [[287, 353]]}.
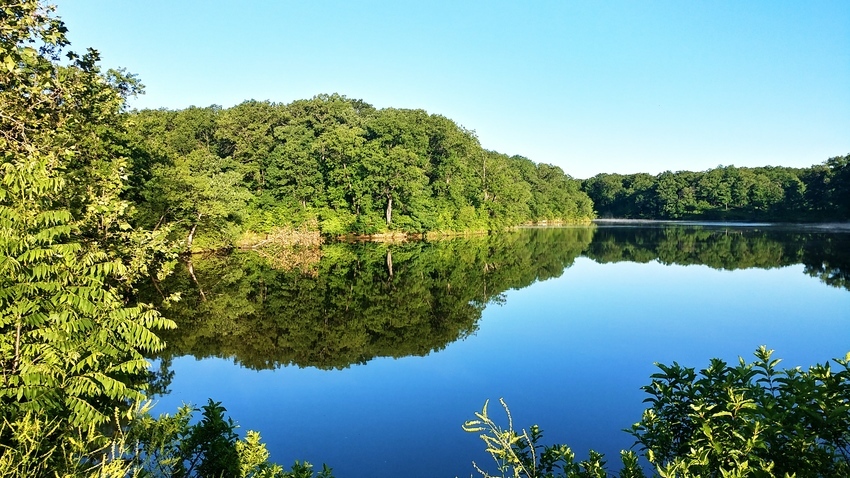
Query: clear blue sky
{"points": [[592, 86]]}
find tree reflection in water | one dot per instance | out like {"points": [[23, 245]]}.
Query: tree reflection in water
{"points": [[354, 302]]}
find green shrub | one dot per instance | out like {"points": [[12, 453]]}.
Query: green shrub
{"points": [[520, 454], [750, 420], [169, 446]]}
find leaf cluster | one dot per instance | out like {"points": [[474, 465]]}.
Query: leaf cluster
{"points": [[72, 342], [171, 446], [748, 420]]}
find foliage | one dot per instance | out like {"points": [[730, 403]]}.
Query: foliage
{"points": [[748, 420], [36, 444], [72, 342], [170, 446], [337, 162], [519, 454], [818, 193]]}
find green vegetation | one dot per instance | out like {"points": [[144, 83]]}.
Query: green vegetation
{"points": [[72, 340], [96, 199], [71, 345], [817, 193], [748, 420], [338, 163], [358, 301], [520, 454], [171, 446]]}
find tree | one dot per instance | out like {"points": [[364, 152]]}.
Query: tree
{"points": [[246, 133], [197, 190], [394, 160], [71, 343], [839, 185], [606, 191]]}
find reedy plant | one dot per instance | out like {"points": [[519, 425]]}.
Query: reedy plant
{"points": [[519, 454]]}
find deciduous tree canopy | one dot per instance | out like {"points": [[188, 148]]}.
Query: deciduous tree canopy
{"points": [[339, 162], [818, 193]]}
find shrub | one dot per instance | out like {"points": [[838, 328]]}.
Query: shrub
{"points": [[748, 420]]}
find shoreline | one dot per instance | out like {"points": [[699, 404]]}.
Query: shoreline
{"points": [[820, 226]]}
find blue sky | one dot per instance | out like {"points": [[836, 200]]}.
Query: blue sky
{"points": [[613, 86]]}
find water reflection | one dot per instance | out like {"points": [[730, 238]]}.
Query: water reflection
{"points": [[366, 300], [359, 301], [825, 255], [569, 353]]}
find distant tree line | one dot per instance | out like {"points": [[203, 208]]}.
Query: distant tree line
{"points": [[335, 162], [817, 193]]}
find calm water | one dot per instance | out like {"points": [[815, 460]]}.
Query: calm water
{"points": [[371, 357]]}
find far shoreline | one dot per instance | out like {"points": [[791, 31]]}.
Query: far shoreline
{"points": [[818, 226]]}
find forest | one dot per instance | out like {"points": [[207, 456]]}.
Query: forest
{"points": [[771, 193], [219, 176], [335, 165]]}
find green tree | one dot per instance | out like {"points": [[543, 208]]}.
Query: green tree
{"points": [[71, 343], [246, 134], [395, 163], [195, 190], [839, 185]]}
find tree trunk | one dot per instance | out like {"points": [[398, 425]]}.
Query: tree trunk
{"points": [[390, 263], [389, 210], [484, 178], [161, 219], [191, 236], [191, 270]]}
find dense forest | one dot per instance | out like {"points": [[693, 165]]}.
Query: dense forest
{"points": [[335, 164], [340, 166], [817, 193]]}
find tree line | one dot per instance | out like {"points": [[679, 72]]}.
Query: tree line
{"points": [[337, 164], [818, 193]]}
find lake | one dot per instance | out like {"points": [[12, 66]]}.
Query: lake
{"points": [[369, 357]]}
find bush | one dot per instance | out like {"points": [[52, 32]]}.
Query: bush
{"points": [[750, 420], [170, 447]]}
